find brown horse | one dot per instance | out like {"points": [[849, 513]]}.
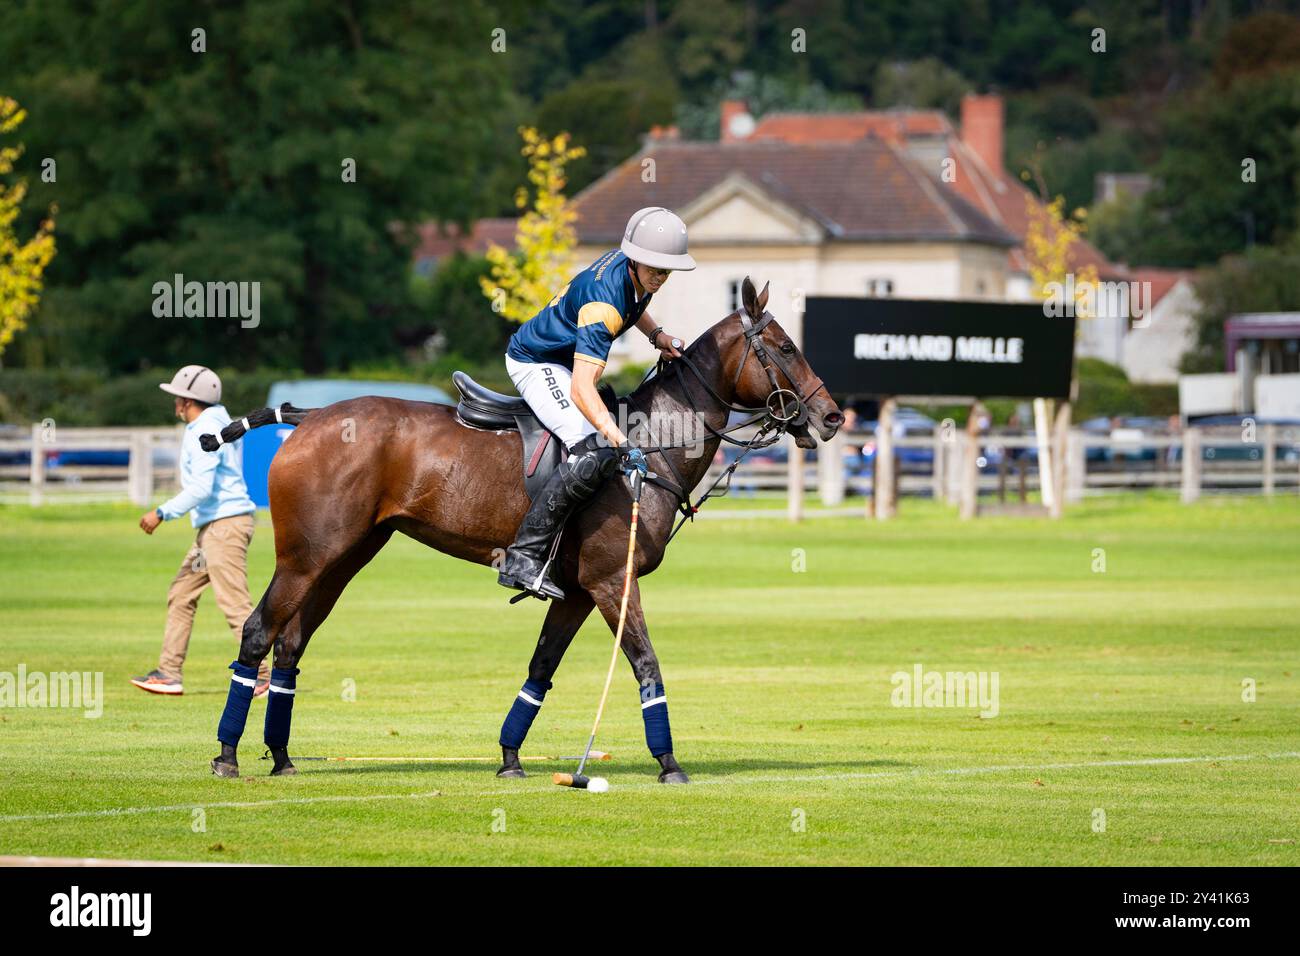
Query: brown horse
{"points": [[354, 472]]}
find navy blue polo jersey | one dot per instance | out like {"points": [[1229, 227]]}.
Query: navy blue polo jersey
{"points": [[597, 306]]}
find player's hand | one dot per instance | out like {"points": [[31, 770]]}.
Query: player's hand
{"points": [[634, 460], [149, 521], [669, 346]]}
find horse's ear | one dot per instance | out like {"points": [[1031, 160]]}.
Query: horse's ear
{"points": [[750, 298], [762, 299]]}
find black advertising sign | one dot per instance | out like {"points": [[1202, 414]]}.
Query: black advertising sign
{"points": [[888, 346]]}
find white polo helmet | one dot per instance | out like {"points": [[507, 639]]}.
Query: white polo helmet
{"points": [[197, 382], [656, 237]]}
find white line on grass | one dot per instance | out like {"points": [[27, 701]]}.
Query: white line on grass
{"points": [[235, 805], [932, 772], [796, 778]]}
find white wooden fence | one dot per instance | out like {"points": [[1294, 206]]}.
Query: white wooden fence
{"points": [[151, 464], [1192, 461], [1197, 460]]}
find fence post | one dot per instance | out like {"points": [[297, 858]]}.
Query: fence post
{"points": [[937, 469], [1270, 459], [1191, 464], [970, 474], [885, 504], [139, 469], [830, 471], [1076, 457], [36, 491], [1046, 457], [952, 468], [794, 493]]}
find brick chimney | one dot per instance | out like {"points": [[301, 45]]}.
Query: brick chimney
{"points": [[736, 123], [981, 127]]}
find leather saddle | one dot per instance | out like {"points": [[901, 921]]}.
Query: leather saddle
{"points": [[481, 407]]}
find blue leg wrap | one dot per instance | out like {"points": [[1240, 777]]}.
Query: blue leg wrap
{"points": [[279, 706], [235, 715], [522, 711], [654, 711]]}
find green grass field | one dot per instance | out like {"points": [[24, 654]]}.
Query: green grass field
{"points": [[1120, 692]]}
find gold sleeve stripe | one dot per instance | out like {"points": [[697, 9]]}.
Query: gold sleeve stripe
{"points": [[594, 312], [589, 358]]}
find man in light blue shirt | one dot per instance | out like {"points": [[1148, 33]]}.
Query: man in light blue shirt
{"points": [[215, 497]]}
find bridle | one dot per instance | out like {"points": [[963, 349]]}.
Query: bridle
{"points": [[783, 409]]}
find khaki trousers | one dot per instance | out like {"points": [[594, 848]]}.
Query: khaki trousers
{"points": [[219, 556]]}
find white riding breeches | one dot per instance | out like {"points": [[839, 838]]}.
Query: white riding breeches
{"points": [[548, 390]]}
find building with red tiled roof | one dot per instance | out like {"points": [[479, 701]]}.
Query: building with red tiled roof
{"points": [[872, 186], [856, 217], [895, 202]]}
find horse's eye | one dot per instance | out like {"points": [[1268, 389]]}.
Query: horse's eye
{"points": [[787, 348]]}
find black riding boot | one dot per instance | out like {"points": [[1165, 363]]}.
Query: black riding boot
{"points": [[574, 482]]}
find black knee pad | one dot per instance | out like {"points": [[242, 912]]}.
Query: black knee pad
{"points": [[591, 462]]}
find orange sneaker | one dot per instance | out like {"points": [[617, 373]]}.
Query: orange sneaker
{"points": [[156, 682]]}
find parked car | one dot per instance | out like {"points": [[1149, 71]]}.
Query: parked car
{"points": [[319, 392], [1218, 449]]}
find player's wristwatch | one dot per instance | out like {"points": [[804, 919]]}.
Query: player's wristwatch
{"points": [[655, 334]]}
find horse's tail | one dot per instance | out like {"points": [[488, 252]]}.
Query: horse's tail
{"points": [[286, 414]]}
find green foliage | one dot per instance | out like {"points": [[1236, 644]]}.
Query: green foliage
{"points": [[607, 118], [227, 165], [452, 305], [1061, 133], [921, 84], [763, 94], [1117, 226], [1104, 389], [1202, 208], [84, 397]]}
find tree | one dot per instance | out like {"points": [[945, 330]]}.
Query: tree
{"points": [[1230, 173], [1050, 248], [521, 284], [921, 84], [21, 264], [762, 94], [452, 301], [275, 143]]}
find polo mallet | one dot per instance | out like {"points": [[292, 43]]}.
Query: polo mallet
{"points": [[578, 780]]}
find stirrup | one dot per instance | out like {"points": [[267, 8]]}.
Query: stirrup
{"points": [[534, 590]]}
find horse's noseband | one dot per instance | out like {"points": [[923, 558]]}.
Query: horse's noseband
{"points": [[784, 406]]}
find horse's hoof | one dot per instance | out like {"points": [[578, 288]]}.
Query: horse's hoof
{"points": [[288, 770], [224, 769], [674, 776], [513, 773]]}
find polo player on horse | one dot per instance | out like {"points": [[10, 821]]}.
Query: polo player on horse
{"points": [[555, 360]]}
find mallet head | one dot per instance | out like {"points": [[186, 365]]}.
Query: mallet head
{"points": [[577, 781]]}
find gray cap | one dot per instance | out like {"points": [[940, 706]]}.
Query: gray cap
{"points": [[197, 382], [656, 237]]}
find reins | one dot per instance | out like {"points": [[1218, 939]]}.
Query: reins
{"points": [[774, 420]]}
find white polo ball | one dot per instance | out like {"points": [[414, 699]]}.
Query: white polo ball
{"points": [[598, 785]]}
